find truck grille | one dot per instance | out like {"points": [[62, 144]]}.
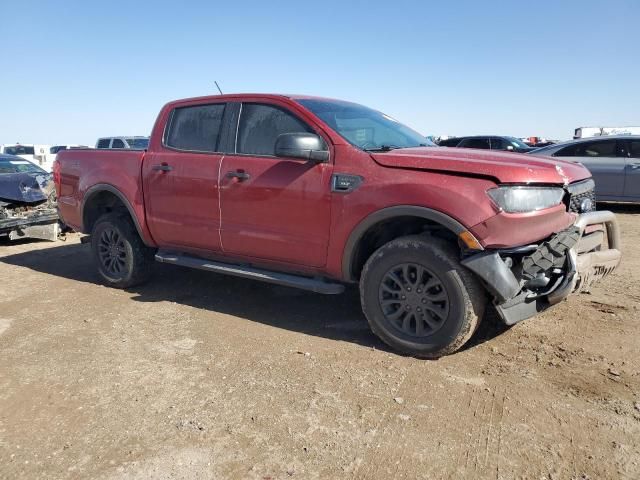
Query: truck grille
{"points": [[582, 196]]}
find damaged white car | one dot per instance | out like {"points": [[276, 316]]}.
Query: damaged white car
{"points": [[28, 206]]}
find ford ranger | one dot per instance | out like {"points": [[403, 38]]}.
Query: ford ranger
{"points": [[317, 193]]}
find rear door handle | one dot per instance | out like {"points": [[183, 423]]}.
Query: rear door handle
{"points": [[162, 168], [239, 174]]}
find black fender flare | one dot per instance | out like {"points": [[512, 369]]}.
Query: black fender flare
{"points": [[105, 187], [390, 212]]}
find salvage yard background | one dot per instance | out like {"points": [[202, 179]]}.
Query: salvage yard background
{"points": [[196, 375]]}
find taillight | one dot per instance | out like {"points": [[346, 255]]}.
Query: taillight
{"points": [[56, 175]]}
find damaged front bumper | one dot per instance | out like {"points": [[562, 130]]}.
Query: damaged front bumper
{"points": [[42, 224], [527, 280]]}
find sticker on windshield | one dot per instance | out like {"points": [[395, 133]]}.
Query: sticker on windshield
{"points": [[19, 162]]}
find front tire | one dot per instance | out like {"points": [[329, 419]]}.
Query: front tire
{"points": [[419, 299], [121, 257]]}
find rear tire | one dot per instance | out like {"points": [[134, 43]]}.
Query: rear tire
{"points": [[121, 257], [419, 299]]}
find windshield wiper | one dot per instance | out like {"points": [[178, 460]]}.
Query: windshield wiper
{"points": [[382, 148]]}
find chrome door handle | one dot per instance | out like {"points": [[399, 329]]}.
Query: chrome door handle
{"points": [[240, 175], [162, 168]]}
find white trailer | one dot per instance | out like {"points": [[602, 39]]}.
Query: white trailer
{"points": [[585, 132]]}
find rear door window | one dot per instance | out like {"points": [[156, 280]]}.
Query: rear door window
{"points": [[117, 143], [604, 148], [260, 125], [482, 143], [196, 129], [634, 148], [597, 148], [498, 144]]}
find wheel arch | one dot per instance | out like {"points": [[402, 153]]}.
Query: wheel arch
{"points": [[102, 198], [404, 219]]}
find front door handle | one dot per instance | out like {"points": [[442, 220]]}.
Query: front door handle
{"points": [[634, 166], [239, 174], [162, 167]]}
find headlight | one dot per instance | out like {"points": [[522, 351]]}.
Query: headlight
{"points": [[516, 199]]}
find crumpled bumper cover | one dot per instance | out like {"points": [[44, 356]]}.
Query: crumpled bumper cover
{"points": [[578, 257], [42, 217]]}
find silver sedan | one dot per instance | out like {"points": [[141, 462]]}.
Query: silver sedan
{"points": [[614, 162]]}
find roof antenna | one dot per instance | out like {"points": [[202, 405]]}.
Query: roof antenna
{"points": [[218, 86]]}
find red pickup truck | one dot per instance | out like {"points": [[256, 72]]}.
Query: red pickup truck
{"points": [[317, 193]]}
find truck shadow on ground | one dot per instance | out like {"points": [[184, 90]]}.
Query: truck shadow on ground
{"points": [[336, 317]]}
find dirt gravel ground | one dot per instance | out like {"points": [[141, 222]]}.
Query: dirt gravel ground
{"points": [[195, 375]]}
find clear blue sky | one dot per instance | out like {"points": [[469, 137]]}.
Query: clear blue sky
{"points": [[74, 71]]}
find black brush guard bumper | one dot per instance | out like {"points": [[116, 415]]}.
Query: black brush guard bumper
{"points": [[578, 260]]}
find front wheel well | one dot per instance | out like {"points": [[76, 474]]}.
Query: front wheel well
{"points": [[389, 229]]}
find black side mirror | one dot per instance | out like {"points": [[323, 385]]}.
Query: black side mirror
{"points": [[306, 146]]}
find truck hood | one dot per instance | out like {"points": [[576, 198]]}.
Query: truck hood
{"points": [[502, 166], [25, 187]]}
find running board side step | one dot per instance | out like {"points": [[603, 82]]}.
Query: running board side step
{"points": [[284, 279]]}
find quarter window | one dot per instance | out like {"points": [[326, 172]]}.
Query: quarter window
{"points": [[103, 143], [260, 126], [196, 128]]}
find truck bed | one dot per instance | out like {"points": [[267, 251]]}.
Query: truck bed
{"points": [[79, 170]]}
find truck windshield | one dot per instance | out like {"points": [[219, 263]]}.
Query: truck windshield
{"points": [[19, 150], [139, 143], [364, 127], [18, 165]]}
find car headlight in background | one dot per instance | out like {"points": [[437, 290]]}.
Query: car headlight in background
{"points": [[520, 199]]}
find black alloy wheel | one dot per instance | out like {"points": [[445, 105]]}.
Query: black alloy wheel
{"points": [[413, 300]]}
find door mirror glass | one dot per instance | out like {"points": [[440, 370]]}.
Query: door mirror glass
{"points": [[306, 146]]}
